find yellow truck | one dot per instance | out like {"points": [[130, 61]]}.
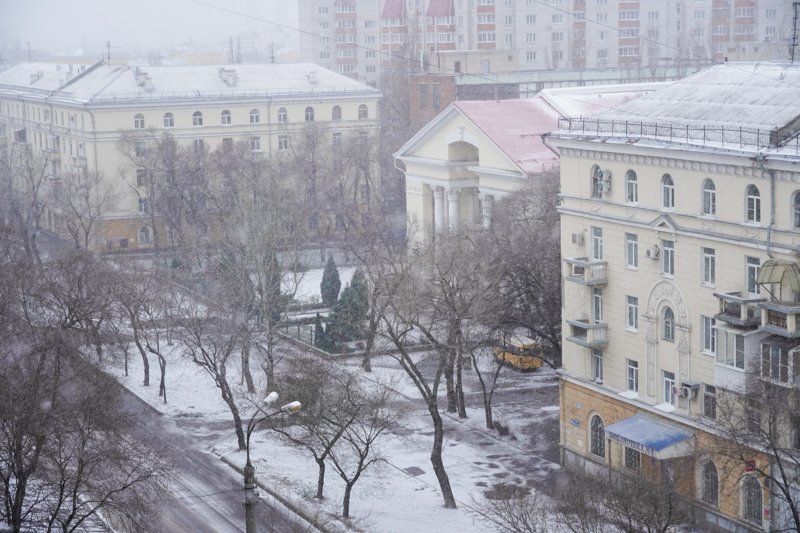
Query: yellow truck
{"points": [[520, 352]]}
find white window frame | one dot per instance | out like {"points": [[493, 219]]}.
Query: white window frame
{"points": [[597, 305], [633, 375], [752, 266], [255, 116], [597, 365], [753, 205], [668, 382], [709, 267], [709, 198], [667, 192], [631, 250], [597, 243], [709, 335], [632, 313], [668, 257], [631, 187]]}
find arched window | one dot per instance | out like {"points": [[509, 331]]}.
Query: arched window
{"points": [[309, 114], [597, 178], [753, 204], [255, 116], [225, 118], [363, 114], [145, 235], [283, 116], [752, 500], [169, 120], [709, 198], [667, 192], [710, 484], [336, 113], [597, 437], [197, 118], [796, 210], [138, 121], [631, 187], [669, 325]]}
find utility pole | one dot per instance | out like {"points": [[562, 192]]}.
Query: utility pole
{"points": [[796, 8], [250, 496], [29, 52], [108, 54]]}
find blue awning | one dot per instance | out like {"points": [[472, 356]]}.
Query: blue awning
{"points": [[651, 436]]}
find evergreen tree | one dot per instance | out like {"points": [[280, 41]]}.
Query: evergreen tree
{"points": [[322, 339], [331, 284], [347, 320]]}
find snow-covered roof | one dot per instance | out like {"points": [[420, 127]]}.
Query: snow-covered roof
{"points": [[103, 83], [582, 101], [515, 127]]}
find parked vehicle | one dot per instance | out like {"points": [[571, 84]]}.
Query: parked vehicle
{"points": [[520, 352]]}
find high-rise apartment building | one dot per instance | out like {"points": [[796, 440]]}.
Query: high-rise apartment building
{"points": [[359, 37]]}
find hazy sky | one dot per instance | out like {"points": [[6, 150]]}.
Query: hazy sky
{"points": [[142, 24]]}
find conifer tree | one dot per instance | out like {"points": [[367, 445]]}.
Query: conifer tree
{"points": [[331, 284]]}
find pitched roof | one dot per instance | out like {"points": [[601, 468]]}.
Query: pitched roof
{"points": [[393, 9], [515, 126]]}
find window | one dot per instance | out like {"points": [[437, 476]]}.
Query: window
{"points": [[227, 144], [197, 118], [709, 401], [255, 116], [169, 120], [796, 210], [710, 484], [530, 56], [144, 205], [283, 142], [141, 177], [709, 335], [753, 204], [138, 121], [530, 19], [602, 35], [709, 198], [775, 363], [752, 500], [224, 118], [597, 304], [633, 459], [753, 265], [632, 321], [363, 113], [199, 145], [336, 113], [558, 19], [668, 331], [283, 117], [669, 387], [732, 352], [597, 366], [144, 235], [668, 257], [709, 266], [336, 141], [309, 114], [633, 375], [597, 182], [597, 437], [139, 148], [558, 36], [667, 192], [255, 144], [597, 243], [530, 38], [631, 187]]}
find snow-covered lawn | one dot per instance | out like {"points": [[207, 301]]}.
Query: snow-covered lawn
{"points": [[306, 284]]}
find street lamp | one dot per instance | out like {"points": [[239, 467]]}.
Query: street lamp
{"points": [[250, 488]]}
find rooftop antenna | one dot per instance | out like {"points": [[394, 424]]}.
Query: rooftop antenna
{"points": [[796, 8], [29, 52], [108, 54]]}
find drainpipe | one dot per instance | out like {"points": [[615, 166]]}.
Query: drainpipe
{"points": [[761, 161]]}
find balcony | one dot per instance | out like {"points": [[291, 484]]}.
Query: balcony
{"points": [[588, 334], [739, 311], [586, 271], [780, 318]]}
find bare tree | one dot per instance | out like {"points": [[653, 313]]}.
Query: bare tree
{"points": [[82, 198]]}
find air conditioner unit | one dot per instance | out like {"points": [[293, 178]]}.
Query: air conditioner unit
{"points": [[690, 389], [605, 186], [577, 238], [678, 392], [652, 253]]}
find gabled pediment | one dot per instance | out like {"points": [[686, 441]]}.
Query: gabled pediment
{"points": [[664, 223]]}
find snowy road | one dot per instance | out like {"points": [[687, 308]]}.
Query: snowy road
{"points": [[205, 494]]}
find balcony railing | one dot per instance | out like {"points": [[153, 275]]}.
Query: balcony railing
{"points": [[737, 310], [780, 318], [588, 334], [586, 271]]}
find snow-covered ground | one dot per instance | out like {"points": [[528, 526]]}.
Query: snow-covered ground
{"points": [[402, 494], [306, 284]]}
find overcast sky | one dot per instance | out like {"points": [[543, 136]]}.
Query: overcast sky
{"points": [[141, 24]]}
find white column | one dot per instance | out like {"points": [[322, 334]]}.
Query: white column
{"points": [[487, 206], [452, 208], [438, 208]]}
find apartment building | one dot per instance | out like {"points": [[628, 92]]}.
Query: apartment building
{"points": [[680, 220], [77, 115], [359, 37]]}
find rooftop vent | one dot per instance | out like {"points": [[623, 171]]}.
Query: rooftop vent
{"points": [[312, 77], [228, 76], [36, 76], [143, 80]]}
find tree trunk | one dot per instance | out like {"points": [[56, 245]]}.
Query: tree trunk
{"points": [[449, 370], [237, 420], [248, 377], [366, 362], [346, 501], [320, 477], [143, 352], [162, 384], [436, 459], [462, 407], [487, 411]]}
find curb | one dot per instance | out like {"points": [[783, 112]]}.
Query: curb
{"points": [[288, 504]]}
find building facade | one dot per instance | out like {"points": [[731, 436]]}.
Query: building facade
{"points": [[77, 117], [680, 213], [360, 37]]}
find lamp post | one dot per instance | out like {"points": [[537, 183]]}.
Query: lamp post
{"points": [[250, 488]]}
